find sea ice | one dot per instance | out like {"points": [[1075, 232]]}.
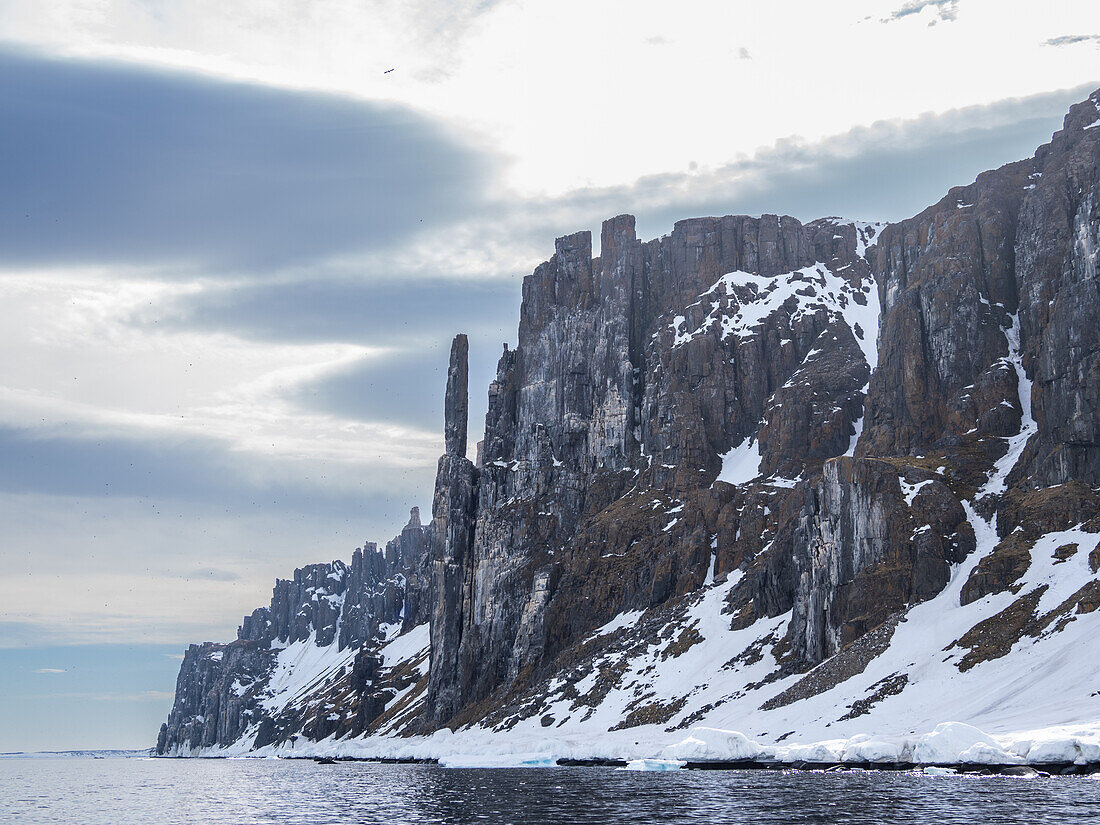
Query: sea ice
{"points": [[654, 765]]}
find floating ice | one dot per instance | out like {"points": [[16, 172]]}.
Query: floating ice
{"points": [[654, 765]]}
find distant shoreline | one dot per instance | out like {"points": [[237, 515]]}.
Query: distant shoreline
{"points": [[112, 753]]}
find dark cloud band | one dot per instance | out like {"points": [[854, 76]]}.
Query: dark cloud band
{"points": [[1071, 39], [114, 163]]}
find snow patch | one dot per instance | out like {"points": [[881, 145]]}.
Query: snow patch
{"points": [[911, 491], [997, 482], [741, 464], [302, 667], [407, 646], [627, 619]]}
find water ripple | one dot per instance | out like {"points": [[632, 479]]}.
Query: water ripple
{"points": [[284, 792]]}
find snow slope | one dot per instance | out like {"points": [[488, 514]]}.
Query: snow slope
{"points": [[1040, 703]]}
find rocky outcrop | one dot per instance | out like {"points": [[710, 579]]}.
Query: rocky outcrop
{"points": [[1021, 239], [635, 373], [870, 541], [825, 415], [1025, 515], [453, 509], [379, 587], [224, 691], [1057, 264], [947, 287]]}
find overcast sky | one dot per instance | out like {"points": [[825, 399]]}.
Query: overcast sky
{"points": [[236, 239]]}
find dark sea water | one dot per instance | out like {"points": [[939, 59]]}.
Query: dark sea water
{"points": [[242, 792]]}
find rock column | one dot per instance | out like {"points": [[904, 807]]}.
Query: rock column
{"points": [[457, 402], [454, 509]]}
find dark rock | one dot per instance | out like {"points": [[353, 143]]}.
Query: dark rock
{"points": [[999, 570], [947, 288], [994, 637], [863, 552], [453, 509], [603, 409], [1058, 261], [457, 401]]}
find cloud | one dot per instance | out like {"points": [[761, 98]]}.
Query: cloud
{"points": [[211, 574], [119, 696], [937, 10], [1071, 39], [161, 470], [418, 37], [413, 317], [406, 387], [436, 29], [117, 164], [888, 170], [390, 313], [50, 670], [95, 399], [87, 570]]}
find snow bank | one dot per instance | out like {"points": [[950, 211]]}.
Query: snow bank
{"points": [[956, 742], [949, 744], [864, 748], [711, 744], [983, 754], [1055, 751], [817, 752]]}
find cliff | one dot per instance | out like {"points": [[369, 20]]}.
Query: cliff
{"points": [[309, 663], [740, 471]]}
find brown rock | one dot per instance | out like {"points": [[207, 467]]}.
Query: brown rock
{"points": [[999, 570]]}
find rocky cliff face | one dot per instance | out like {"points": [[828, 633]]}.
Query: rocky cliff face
{"points": [[826, 424], [636, 372], [313, 649]]}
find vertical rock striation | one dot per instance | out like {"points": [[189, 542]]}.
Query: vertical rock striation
{"points": [[988, 371], [453, 508], [635, 372], [862, 552], [1058, 261]]}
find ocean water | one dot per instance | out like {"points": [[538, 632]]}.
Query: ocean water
{"points": [[243, 792]]}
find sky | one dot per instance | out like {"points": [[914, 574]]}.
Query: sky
{"points": [[237, 238]]}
